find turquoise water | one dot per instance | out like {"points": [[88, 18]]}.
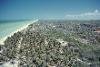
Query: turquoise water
{"points": [[7, 27]]}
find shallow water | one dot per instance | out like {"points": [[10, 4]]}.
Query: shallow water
{"points": [[7, 27]]}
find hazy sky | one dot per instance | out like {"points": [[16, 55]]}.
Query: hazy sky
{"points": [[48, 9]]}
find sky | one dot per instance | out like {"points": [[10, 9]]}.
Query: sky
{"points": [[49, 9]]}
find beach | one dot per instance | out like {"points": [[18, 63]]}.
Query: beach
{"points": [[19, 29]]}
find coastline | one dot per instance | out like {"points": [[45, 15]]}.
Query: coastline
{"points": [[20, 29]]}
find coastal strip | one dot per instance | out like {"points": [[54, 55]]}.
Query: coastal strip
{"points": [[20, 29]]}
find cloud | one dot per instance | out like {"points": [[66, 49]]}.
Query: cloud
{"points": [[96, 13]]}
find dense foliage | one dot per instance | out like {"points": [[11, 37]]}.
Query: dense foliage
{"points": [[54, 43]]}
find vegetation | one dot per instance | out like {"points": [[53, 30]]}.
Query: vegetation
{"points": [[54, 43]]}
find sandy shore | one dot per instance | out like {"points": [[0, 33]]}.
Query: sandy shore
{"points": [[20, 29]]}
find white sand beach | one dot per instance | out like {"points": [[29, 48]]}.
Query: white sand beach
{"points": [[20, 29]]}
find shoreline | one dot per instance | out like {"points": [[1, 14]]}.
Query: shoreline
{"points": [[20, 29]]}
